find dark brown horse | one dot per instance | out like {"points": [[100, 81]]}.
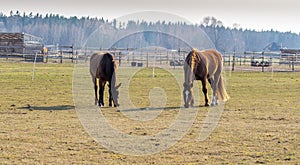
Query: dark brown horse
{"points": [[103, 68], [203, 66]]}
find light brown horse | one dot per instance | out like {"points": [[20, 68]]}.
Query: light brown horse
{"points": [[204, 65], [103, 68]]}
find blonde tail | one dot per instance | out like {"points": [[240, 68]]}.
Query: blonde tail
{"points": [[221, 92]]}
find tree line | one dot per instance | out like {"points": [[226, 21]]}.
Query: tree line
{"points": [[57, 29]]}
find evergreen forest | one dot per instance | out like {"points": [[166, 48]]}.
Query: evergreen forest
{"points": [[57, 29]]}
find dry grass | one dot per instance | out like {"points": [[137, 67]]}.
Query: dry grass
{"points": [[39, 124]]}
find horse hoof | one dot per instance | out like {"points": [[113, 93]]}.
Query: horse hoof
{"points": [[207, 105], [214, 104]]}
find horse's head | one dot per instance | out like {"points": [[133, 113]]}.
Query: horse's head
{"points": [[115, 94], [188, 94]]}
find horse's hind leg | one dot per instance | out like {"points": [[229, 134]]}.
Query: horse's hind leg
{"points": [[213, 85], [204, 90]]}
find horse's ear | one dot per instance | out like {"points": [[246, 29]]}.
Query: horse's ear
{"points": [[118, 86]]}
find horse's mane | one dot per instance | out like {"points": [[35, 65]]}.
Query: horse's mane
{"points": [[193, 58]]}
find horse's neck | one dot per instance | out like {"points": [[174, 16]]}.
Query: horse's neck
{"points": [[189, 76], [113, 75]]}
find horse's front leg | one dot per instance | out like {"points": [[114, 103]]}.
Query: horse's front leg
{"points": [[101, 94], [110, 95], [204, 90], [192, 101], [96, 90]]}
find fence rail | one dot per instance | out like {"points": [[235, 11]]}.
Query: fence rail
{"points": [[256, 61]]}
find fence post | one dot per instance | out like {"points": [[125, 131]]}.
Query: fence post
{"points": [[293, 64], [72, 53], [147, 59], [120, 58], [160, 59], [167, 57], [233, 61], [85, 54], [34, 62], [61, 52], [262, 62]]}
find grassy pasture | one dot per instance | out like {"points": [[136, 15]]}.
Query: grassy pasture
{"points": [[39, 125]]}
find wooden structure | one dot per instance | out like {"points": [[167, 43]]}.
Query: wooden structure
{"points": [[20, 43], [290, 57], [290, 51]]}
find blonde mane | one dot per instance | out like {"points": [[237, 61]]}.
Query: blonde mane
{"points": [[193, 59]]}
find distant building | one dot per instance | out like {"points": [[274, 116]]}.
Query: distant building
{"points": [[20, 43], [272, 47]]}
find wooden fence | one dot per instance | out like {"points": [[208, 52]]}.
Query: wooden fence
{"points": [[130, 57]]}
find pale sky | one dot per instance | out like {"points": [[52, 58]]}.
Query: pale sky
{"points": [[281, 15]]}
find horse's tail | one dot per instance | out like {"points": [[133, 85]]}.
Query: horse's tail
{"points": [[221, 91]]}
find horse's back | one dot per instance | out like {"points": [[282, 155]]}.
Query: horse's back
{"points": [[101, 64], [213, 59], [212, 55], [95, 62]]}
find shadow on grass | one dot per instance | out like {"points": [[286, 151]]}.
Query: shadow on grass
{"points": [[49, 108], [158, 108]]}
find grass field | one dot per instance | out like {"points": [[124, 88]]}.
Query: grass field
{"points": [[39, 124]]}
